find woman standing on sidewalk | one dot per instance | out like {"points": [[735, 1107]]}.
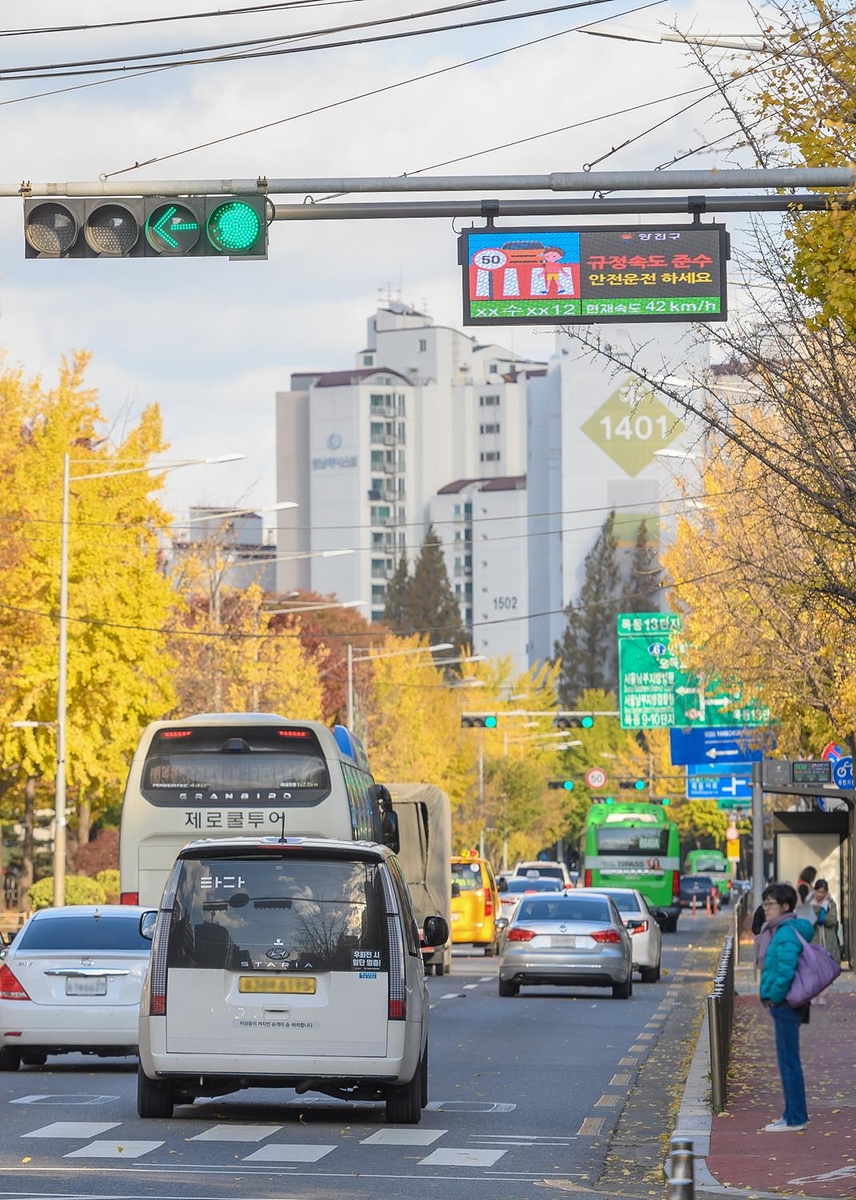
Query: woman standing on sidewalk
{"points": [[777, 949], [826, 928]]}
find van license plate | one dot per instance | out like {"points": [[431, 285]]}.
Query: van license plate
{"points": [[277, 983], [86, 987]]}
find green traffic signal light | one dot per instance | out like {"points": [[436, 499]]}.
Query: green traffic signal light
{"points": [[639, 785], [490, 722], [608, 800], [586, 722], [233, 227], [568, 785]]}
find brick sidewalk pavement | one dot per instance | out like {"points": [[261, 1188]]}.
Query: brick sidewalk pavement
{"points": [[821, 1161]]}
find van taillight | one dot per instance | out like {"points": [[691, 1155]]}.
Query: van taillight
{"points": [[10, 988], [129, 897], [587, 879], [397, 1001], [488, 903]]}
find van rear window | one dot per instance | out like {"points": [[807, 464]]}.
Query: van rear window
{"points": [[279, 915], [199, 765]]}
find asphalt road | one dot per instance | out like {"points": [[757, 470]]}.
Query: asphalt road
{"points": [[526, 1095]]}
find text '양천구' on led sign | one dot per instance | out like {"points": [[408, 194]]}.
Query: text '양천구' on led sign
{"points": [[595, 274]]}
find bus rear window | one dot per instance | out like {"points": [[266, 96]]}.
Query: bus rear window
{"points": [[240, 914], [227, 764], [616, 839]]}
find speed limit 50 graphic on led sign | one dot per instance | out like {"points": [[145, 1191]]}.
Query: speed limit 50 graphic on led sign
{"points": [[594, 274]]}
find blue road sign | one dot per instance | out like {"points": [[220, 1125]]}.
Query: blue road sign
{"points": [[842, 772], [715, 743], [719, 787], [726, 767]]}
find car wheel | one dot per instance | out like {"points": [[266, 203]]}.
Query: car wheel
{"points": [[440, 968], [10, 1060], [623, 991], [154, 1099], [507, 988], [34, 1060], [423, 1099], [650, 974], [671, 925], [404, 1101]]}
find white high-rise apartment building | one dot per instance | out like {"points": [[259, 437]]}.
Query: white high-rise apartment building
{"points": [[363, 451]]}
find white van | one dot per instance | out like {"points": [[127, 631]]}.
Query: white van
{"points": [[291, 963]]}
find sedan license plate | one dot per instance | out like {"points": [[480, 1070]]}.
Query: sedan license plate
{"points": [[277, 983], [77, 986], [562, 941]]}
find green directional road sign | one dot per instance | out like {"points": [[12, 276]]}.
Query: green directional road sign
{"points": [[655, 693], [172, 229]]}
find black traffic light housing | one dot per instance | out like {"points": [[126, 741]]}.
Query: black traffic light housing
{"points": [[153, 227], [638, 785], [484, 720], [573, 720], [567, 784]]}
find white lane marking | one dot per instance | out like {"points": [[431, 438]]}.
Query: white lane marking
{"points": [[606, 1101], [67, 1099], [644, 1037], [619, 1081], [114, 1150], [450, 996], [277, 1152], [469, 1106], [628, 1062], [469, 986], [462, 1158], [591, 1127], [73, 1129], [403, 1137], [486, 978], [235, 1133]]}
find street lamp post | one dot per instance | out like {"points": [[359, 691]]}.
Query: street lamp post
{"points": [[383, 654], [60, 803]]}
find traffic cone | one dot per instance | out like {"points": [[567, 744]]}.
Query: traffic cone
{"points": [[694, 900]]}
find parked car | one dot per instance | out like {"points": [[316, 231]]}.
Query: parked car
{"points": [[566, 940], [287, 962], [71, 983], [698, 889], [554, 870], [512, 891], [645, 934]]}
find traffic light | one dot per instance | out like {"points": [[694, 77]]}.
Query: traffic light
{"points": [[638, 784], [567, 784], [152, 227], [573, 720], [478, 720]]}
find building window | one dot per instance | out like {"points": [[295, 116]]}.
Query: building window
{"points": [[489, 456], [401, 406], [494, 428], [377, 430], [378, 568], [423, 345], [493, 369], [488, 401], [457, 566], [468, 562], [377, 401], [368, 360], [378, 593], [377, 459], [377, 539]]}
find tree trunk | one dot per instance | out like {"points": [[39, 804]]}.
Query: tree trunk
{"points": [[81, 835]]}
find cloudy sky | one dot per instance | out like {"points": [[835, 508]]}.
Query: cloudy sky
{"points": [[211, 341]]}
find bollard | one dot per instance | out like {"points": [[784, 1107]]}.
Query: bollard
{"points": [[681, 1182], [707, 905], [694, 901]]}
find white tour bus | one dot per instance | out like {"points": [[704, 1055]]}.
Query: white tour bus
{"points": [[227, 775]]}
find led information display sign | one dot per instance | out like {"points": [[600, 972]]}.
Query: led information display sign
{"points": [[817, 771], [594, 274]]}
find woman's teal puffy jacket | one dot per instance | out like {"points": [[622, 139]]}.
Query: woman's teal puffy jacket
{"points": [[780, 962]]}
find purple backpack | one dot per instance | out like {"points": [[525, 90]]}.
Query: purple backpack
{"points": [[816, 970]]}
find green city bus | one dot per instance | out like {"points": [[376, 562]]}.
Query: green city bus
{"points": [[713, 863], [636, 846]]}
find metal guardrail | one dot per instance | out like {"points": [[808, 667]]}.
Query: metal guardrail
{"points": [[720, 1018]]}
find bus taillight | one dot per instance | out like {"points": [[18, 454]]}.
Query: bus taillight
{"points": [[129, 897], [676, 887], [587, 879]]}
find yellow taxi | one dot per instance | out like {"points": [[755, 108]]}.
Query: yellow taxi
{"points": [[475, 902]]}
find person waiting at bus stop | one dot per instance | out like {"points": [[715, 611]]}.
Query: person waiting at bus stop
{"points": [[777, 950]]}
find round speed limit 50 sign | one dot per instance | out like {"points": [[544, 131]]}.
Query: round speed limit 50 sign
{"points": [[596, 777]]}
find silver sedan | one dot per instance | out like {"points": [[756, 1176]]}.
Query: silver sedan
{"points": [[566, 940]]}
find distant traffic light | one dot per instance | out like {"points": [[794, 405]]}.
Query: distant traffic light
{"points": [[573, 720], [133, 227], [471, 720], [567, 784], [638, 784]]}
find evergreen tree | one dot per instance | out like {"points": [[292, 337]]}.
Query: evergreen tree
{"points": [[395, 613], [430, 606], [642, 592], [588, 646]]}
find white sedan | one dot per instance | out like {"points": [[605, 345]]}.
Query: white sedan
{"points": [[645, 934], [71, 983]]}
